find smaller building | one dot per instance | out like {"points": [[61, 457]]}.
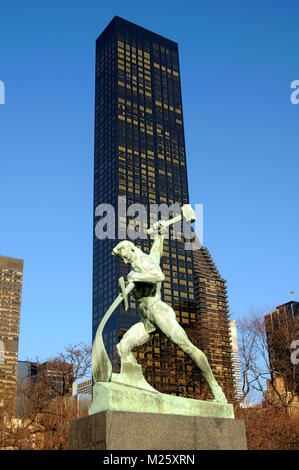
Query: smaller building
{"points": [[282, 329], [84, 395], [277, 393], [27, 373], [58, 375], [85, 387], [236, 360], [53, 377]]}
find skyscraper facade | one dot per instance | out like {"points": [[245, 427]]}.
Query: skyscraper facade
{"points": [[85, 387], [140, 158], [214, 334], [11, 278], [236, 360], [282, 328], [50, 379]]}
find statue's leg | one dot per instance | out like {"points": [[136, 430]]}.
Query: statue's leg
{"points": [[134, 337], [166, 321]]}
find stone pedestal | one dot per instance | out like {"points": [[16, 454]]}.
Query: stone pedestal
{"points": [[121, 430]]}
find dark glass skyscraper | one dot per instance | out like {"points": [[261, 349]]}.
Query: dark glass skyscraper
{"points": [[140, 156]]}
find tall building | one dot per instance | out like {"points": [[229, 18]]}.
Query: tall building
{"points": [[236, 360], [140, 158], [11, 277], [282, 328], [214, 331]]}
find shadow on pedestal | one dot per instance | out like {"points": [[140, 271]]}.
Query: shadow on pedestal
{"points": [[119, 430], [137, 417]]}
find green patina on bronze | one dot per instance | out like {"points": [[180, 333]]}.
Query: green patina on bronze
{"points": [[129, 391], [117, 397]]}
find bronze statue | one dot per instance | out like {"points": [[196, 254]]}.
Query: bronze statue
{"points": [[144, 281]]}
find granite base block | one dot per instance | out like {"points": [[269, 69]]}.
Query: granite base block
{"points": [[120, 430]]}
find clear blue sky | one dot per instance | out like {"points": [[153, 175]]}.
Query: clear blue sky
{"points": [[237, 62]]}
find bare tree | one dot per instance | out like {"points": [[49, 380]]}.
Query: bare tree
{"points": [[48, 405], [265, 357], [69, 366]]}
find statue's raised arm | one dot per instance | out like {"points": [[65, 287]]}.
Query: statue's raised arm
{"points": [[157, 246]]}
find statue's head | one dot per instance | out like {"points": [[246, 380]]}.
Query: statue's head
{"points": [[126, 251]]}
